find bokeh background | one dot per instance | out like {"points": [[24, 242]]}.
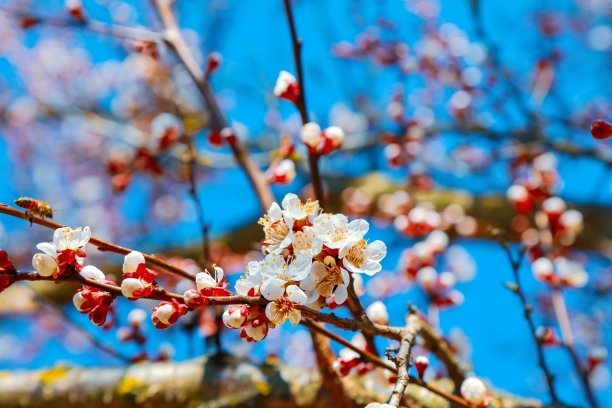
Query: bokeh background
{"points": [[72, 99]]}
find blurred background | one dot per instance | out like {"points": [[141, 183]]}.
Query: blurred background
{"points": [[444, 104]]}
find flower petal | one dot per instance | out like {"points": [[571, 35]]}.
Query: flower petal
{"points": [[296, 295], [376, 250], [272, 288]]}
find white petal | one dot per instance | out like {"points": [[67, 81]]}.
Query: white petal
{"points": [[296, 295], [272, 288], [204, 280], [358, 228], [48, 248], [341, 294], [308, 283], [275, 213], [346, 278], [131, 261], [44, 264], [376, 250], [91, 272], [299, 268]]}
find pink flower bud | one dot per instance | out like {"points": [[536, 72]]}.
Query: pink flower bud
{"points": [[596, 357], [235, 316], [44, 264], [282, 173], [167, 313], [132, 261], [421, 363], [394, 154], [519, 196], [474, 391], [135, 288], [377, 313], [601, 130], [213, 61], [93, 273], [136, 317], [572, 220], [287, 87], [75, 9], [194, 298], [542, 269], [547, 336], [553, 207], [311, 136], [333, 137]]}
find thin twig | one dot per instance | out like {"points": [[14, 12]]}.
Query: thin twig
{"points": [[568, 342], [402, 362], [99, 243], [518, 289]]}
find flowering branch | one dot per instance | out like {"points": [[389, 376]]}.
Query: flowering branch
{"points": [[518, 290], [313, 157], [99, 243]]}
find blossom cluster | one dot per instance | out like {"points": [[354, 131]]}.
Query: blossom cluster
{"points": [[64, 254], [310, 256]]}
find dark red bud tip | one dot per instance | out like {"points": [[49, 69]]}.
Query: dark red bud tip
{"points": [[601, 130]]}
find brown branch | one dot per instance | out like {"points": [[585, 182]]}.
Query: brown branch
{"points": [[582, 374], [359, 313], [99, 243], [313, 157], [442, 350], [528, 311], [176, 42], [402, 362]]}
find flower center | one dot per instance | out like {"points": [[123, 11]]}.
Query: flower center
{"points": [[275, 231], [357, 254]]}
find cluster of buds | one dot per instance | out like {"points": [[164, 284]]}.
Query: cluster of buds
{"points": [[475, 392], [560, 272], [287, 87], [321, 141], [92, 300], [348, 360], [401, 150], [536, 177], [309, 258], [423, 254], [207, 285], [7, 271], [166, 130], [64, 255], [167, 313], [138, 281], [439, 287], [420, 220]]}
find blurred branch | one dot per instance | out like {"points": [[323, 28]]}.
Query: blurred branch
{"points": [[120, 31], [517, 288], [174, 39], [402, 362], [313, 157]]}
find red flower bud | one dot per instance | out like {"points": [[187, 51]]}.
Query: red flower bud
{"points": [[601, 129], [421, 363], [213, 60]]}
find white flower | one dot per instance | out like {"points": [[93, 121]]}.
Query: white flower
{"points": [[378, 405], [67, 238], [44, 264], [276, 230], [553, 205], [571, 273], [306, 242], [277, 274], [284, 308], [326, 278], [335, 136], [91, 272], [427, 277], [336, 232], [132, 261], [361, 257], [474, 391], [542, 268], [250, 283], [205, 280], [572, 220], [296, 211], [311, 135], [377, 313]]}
